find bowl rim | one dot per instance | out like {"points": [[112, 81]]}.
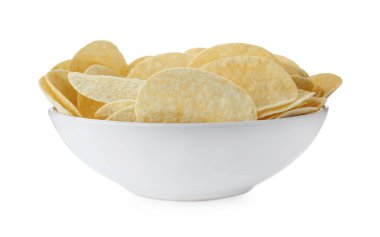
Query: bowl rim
{"points": [[52, 111]]}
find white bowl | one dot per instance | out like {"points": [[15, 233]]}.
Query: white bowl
{"points": [[188, 161]]}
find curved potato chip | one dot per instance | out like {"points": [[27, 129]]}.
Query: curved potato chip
{"points": [[230, 50], [52, 97], [317, 102], [100, 70], [108, 109], [303, 83], [328, 82], [184, 95], [318, 91], [302, 97], [88, 107], [59, 83], [290, 66], [99, 52], [153, 64], [292, 113], [127, 115], [105, 88], [64, 65], [194, 51], [266, 82], [129, 67], [297, 111], [59, 101]]}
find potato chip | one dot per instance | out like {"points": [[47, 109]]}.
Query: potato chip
{"points": [[266, 82], [153, 64], [105, 89], [290, 66], [129, 67], [302, 97], [318, 91], [50, 96], [108, 109], [229, 50], [194, 51], [292, 113], [98, 52], [87, 106], [127, 114], [303, 83], [64, 93], [59, 83], [297, 111], [64, 65], [328, 82], [317, 102], [61, 104], [100, 70], [184, 95]]}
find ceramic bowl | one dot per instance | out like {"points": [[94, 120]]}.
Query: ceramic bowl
{"points": [[188, 162]]}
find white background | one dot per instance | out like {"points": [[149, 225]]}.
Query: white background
{"points": [[332, 190]]}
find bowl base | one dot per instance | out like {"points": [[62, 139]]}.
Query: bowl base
{"points": [[210, 197]]}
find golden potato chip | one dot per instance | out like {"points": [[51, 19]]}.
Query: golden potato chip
{"points": [[317, 102], [297, 111], [290, 66], [129, 67], [187, 95], [105, 89], [59, 83], [65, 65], [229, 50], [51, 97], [100, 70], [302, 97], [127, 114], [292, 113], [98, 52], [108, 109], [61, 103], [64, 93], [194, 51], [303, 83], [87, 106], [153, 64], [266, 82], [328, 82], [318, 91]]}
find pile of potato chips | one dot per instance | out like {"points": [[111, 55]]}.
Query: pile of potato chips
{"points": [[228, 82]]}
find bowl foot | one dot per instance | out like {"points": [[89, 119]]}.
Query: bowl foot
{"points": [[194, 198]]}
